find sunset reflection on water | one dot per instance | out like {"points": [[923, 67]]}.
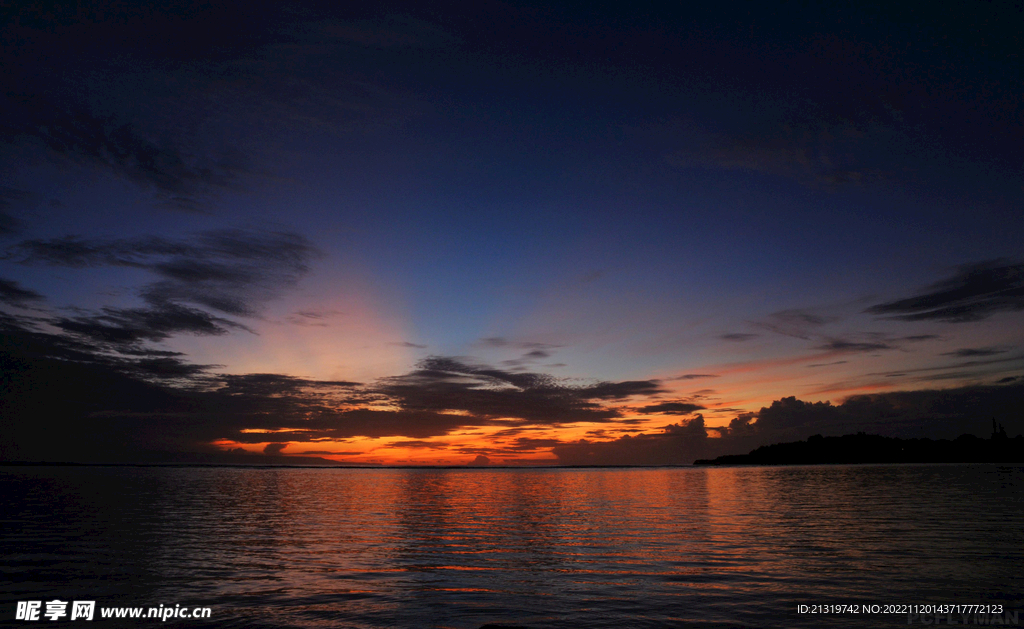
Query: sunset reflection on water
{"points": [[533, 547]]}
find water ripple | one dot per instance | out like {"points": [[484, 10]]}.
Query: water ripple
{"points": [[536, 548]]}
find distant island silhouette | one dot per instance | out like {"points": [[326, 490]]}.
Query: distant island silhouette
{"points": [[865, 448]]}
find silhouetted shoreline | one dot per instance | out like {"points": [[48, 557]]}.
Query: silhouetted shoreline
{"points": [[864, 448]]}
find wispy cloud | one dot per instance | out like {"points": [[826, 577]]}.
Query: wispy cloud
{"points": [[13, 294], [670, 408], [796, 322], [849, 346], [974, 292], [738, 336], [973, 352], [499, 342], [448, 384], [527, 358], [835, 362], [694, 376], [408, 344], [312, 318], [130, 326], [231, 272], [180, 178]]}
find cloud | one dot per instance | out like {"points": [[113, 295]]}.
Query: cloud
{"points": [[305, 416], [407, 344], [105, 407], [274, 448], [943, 413], [967, 369], [233, 272], [528, 357], [502, 342], [738, 336], [677, 444], [117, 406], [792, 416], [740, 426], [311, 318], [449, 384], [670, 408], [180, 177], [973, 352], [936, 413], [12, 294], [974, 292], [129, 326], [272, 385], [331, 452], [529, 444], [620, 390], [417, 443], [835, 362], [187, 123], [167, 367], [847, 346], [796, 322], [510, 432], [694, 376]]}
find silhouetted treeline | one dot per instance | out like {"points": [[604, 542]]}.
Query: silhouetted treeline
{"points": [[864, 448]]}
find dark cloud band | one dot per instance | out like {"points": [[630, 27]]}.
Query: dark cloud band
{"points": [[973, 293]]}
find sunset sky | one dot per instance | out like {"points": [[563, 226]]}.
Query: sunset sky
{"points": [[443, 233]]}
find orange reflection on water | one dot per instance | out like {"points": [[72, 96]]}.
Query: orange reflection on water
{"points": [[468, 547]]}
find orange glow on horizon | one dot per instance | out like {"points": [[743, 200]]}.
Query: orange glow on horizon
{"points": [[733, 389]]}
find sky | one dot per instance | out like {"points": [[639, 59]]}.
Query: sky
{"points": [[506, 233]]}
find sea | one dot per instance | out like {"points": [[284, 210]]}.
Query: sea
{"points": [[800, 546]]}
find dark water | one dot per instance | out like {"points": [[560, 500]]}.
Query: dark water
{"points": [[537, 548]]}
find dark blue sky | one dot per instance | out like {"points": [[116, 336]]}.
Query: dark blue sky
{"points": [[788, 200]]}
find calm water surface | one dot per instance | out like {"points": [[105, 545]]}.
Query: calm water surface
{"points": [[536, 548]]}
